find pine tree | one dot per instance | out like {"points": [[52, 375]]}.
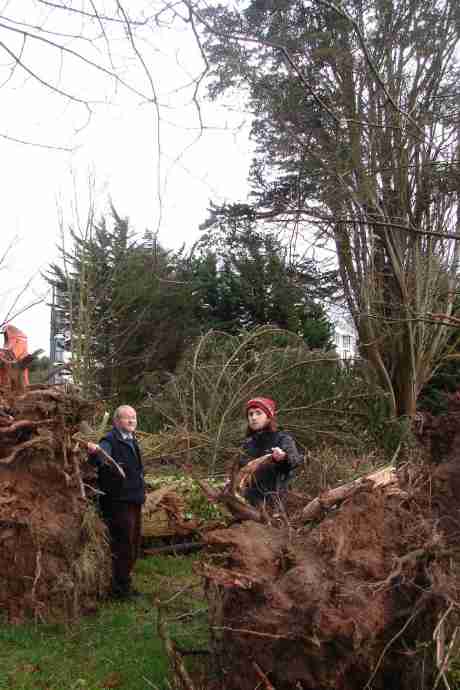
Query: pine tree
{"points": [[244, 278]]}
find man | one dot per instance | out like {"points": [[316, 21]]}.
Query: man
{"points": [[122, 498]]}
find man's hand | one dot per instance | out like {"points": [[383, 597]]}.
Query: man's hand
{"points": [[278, 454]]}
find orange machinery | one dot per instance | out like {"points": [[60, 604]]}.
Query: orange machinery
{"points": [[15, 349]]}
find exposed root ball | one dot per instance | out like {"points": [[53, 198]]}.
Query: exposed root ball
{"points": [[54, 555], [349, 602]]}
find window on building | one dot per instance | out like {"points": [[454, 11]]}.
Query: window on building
{"points": [[346, 342]]}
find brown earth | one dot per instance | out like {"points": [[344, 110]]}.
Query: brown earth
{"points": [[53, 552], [439, 434], [351, 601]]}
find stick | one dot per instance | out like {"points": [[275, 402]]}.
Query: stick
{"points": [[263, 676], [246, 474], [37, 442], [108, 458], [189, 547], [178, 666], [102, 452]]}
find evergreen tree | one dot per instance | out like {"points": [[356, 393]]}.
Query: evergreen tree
{"points": [[126, 307], [244, 277], [355, 120]]}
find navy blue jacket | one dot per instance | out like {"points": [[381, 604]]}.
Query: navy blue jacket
{"points": [[128, 455], [274, 476]]}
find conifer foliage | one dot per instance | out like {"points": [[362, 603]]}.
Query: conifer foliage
{"points": [[130, 307], [124, 306]]}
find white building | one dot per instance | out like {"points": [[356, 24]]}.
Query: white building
{"points": [[345, 336]]}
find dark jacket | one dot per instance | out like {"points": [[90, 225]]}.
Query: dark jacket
{"points": [[127, 454], [274, 476]]}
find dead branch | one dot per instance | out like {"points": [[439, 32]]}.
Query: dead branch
{"points": [[108, 459], [384, 477], [234, 504], [22, 425], [254, 633], [246, 475], [263, 676], [76, 467], [228, 578], [410, 557], [445, 662], [368, 685], [188, 547], [36, 443], [38, 572], [180, 672]]}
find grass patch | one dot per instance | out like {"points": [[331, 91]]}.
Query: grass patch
{"points": [[116, 648]]}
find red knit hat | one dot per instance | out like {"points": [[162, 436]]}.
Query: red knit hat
{"points": [[267, 405]]}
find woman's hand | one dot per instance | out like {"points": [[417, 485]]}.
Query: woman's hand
{"points": [[92, 448], [278, 454]]}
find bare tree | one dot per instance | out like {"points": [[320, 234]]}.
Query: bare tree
{"points": [[17, 300]]}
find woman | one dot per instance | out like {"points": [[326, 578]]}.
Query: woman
{"points": [[271, 478]]}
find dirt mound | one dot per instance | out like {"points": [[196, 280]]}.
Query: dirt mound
{"points": [[53, 551], [351, 601]]}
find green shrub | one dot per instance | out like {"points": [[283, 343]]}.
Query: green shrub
{"points": [[319, 400]]}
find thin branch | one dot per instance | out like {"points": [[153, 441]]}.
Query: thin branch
{"points": [[34, 75], [156, 103], [368, 685], [8, 249], [254, 633], [74, 54], [23, 311], [101, 24], [91, 16], [340, 11], [15, 64], [272, 215], [49, 147]]}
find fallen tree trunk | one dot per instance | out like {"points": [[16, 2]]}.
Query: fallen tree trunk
{"points": [[352, 601]]}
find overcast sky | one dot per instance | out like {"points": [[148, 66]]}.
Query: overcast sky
{"points": [[118, 145]]}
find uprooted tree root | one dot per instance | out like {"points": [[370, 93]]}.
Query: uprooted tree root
{"points": [[362, 596], [54, 555]]}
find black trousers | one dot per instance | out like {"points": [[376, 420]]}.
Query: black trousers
{"points": [[124, 521]]}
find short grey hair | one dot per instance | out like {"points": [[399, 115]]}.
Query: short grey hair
{"points": [[119, 411]]}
